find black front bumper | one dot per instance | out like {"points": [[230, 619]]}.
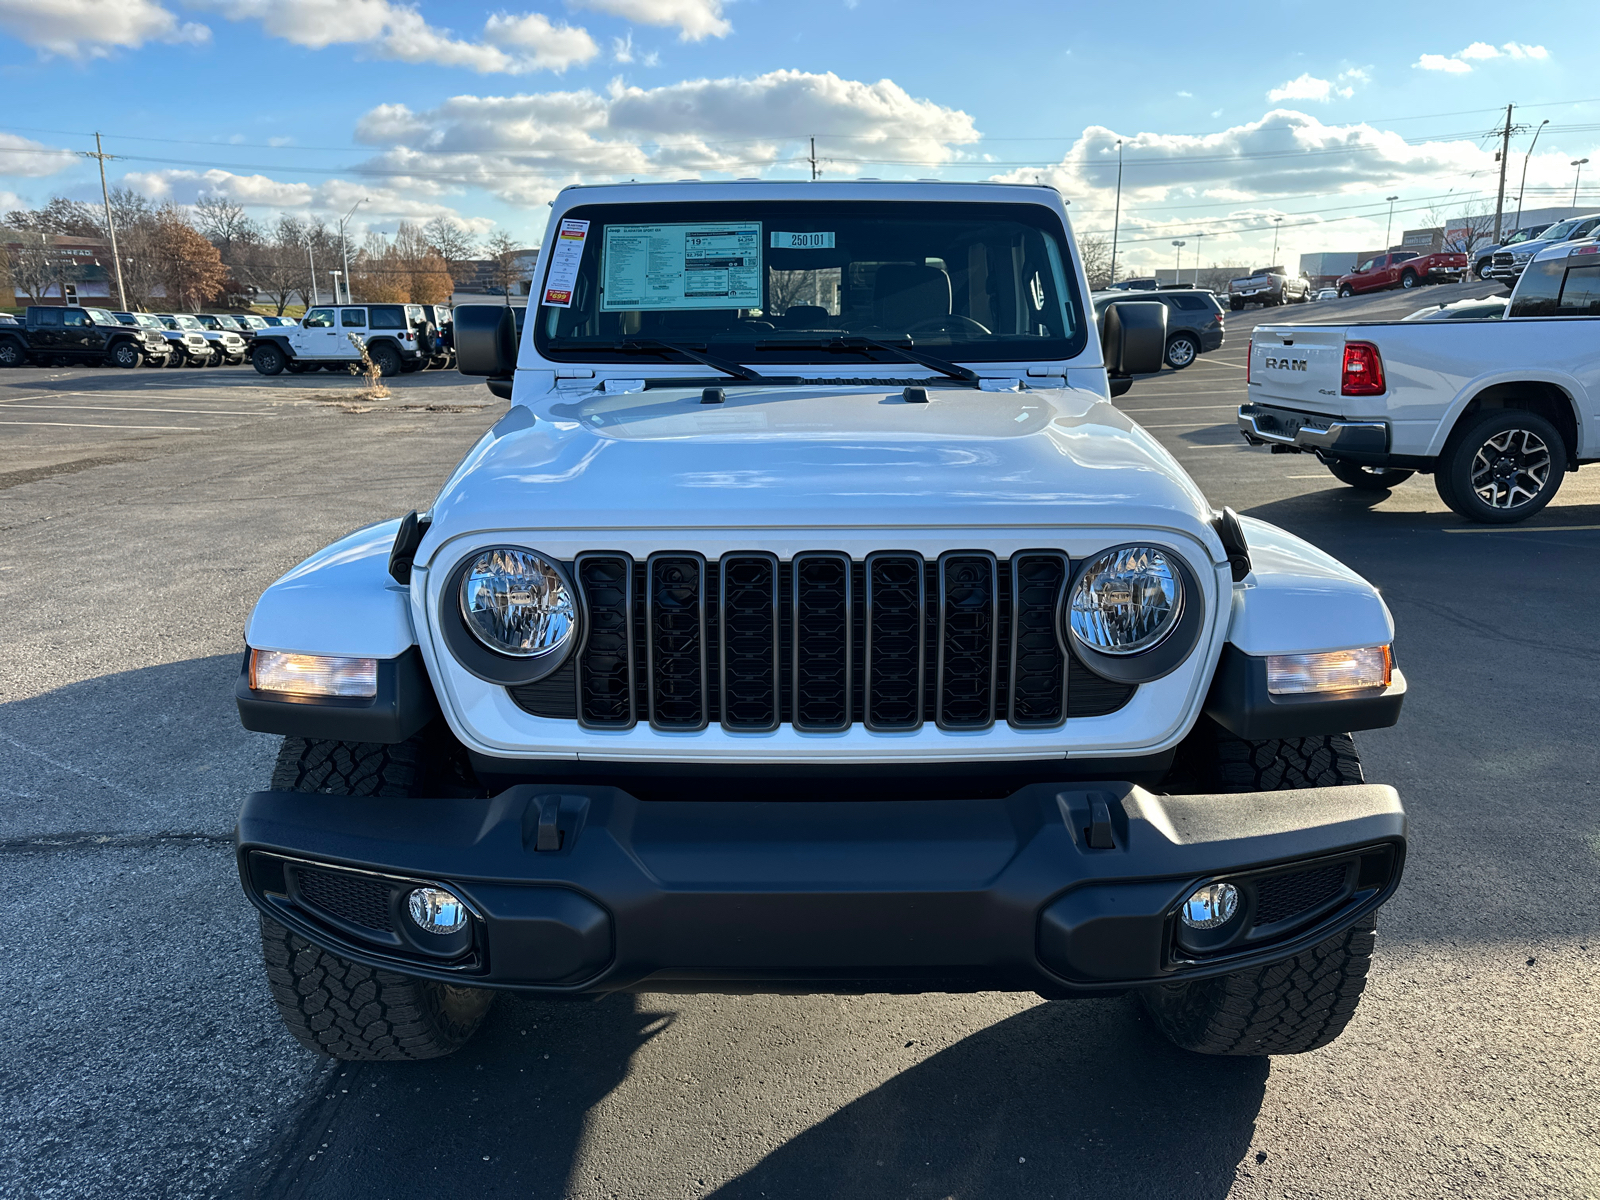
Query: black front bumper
{"points": [[1061, 889]]}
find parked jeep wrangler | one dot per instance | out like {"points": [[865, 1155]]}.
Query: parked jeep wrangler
{"points": [[813, 622], [56, 335], [397, 338]]}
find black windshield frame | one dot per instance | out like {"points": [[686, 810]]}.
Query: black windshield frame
{"points": [[603, 345]]}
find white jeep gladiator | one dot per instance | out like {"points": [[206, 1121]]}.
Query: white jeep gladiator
{"points": [[1496, 409], [813, 622]]}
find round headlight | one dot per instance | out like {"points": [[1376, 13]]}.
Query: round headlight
{"points": [[517, 603], [1126, 601]]}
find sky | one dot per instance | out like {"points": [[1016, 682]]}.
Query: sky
{"points": [[1231, 115]]}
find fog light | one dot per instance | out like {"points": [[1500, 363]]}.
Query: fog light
{"points": [[436, 910], [1209, 908], [1334, 671], [312, 674]]}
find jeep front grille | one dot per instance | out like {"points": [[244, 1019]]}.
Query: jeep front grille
{"points": [[821, 642]]}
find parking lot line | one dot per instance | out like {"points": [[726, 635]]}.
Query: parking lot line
{"points": [[84, 425], [1522, 528], [211, 412]]}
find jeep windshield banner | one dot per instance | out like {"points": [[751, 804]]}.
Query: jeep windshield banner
{"points": [[654, 267]]}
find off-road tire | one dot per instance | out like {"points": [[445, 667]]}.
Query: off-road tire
{"points": [[1368, 479], [1453, 475], [344, 1009], [386, 359], [1236, 305], [1182, 350], [177, 357], [1409, 280], [268, 360], [1289, 1007], [12, 355], [125, 355]]}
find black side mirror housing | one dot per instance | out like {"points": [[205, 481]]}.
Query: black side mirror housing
{"points": [[486, 340], [1134, 341]]}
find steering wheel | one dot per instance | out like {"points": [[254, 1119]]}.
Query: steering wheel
{"points": [[942, 325]]}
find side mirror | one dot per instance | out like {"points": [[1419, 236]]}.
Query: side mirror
{"points": [[1134, 342], [486, 340]]}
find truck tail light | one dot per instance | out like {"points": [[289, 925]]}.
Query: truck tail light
{"points": [[1363, 370], [1249, 353]]}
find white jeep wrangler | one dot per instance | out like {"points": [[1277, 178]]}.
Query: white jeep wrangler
{"points": [[813, 622], [397, 338]]}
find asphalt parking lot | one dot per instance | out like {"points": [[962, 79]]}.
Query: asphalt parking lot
{"points": [[141, 514]]}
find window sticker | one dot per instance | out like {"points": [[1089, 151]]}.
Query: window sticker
{"points": [[656, 267], [802, 241], [564, 260]]}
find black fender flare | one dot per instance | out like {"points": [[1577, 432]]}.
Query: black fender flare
{"points": [[278, 340]]}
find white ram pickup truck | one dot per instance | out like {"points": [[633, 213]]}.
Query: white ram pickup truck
{"points": [[1497, 410], [813, 622]]}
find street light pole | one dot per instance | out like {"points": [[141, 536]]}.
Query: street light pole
{"points": [[1177, 268], [1116, 218], [311, 258], [1276, 222], [1197, 238], [344, 250], [335, 275], [1389, 228], [1522, 189], [1577, 175]]}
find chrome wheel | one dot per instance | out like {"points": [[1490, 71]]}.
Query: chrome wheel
{"points": [[1181, 352], [1511, 468]]}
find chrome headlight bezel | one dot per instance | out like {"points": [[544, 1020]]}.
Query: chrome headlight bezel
{"points": [[488, 662], [1164, 654]]}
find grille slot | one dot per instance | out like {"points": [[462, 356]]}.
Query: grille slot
{"points": [[358, 899], [894, 660], [1038, 683], [605, 665], [1285, 896], [750, 647], [822, 641], [675, 640], [969, 621]]}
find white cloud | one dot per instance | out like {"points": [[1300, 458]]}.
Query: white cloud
{"points": [[524, 148], [694, 19], [26, 157], [1309, 87], [1461, 61], [511, 45], [1186, 95], [330, 199], [93, 28]]}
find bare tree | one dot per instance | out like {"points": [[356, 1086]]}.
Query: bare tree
{"points": [[452, 243], [31, 256], [70, 218], [505, 272], [1095, 250], [224, 224]]}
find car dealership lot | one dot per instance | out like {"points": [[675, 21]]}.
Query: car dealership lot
{"points": [[141, 513]]}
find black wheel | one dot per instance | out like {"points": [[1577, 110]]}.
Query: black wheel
{"points": [[1409, 280], [1482, 269], [386, 359], [1501, 466], [11, 354], [1300, 1004], [1236, 305], [268, 359], [1289, 1007], [343, 1009], [1370, 479], [1182, 350], [1345, 293], [177, 358], [125, 355]]}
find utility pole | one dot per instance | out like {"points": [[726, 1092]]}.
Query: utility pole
{"points": [[1505, 150], [312, 259], [1523, 190], [813, 160], [111, 227], [1116, 219]]}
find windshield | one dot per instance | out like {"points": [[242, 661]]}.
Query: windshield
{"points": [[780, 281], [226, 322], [186, 322], [101, 317], [1558, 232]]}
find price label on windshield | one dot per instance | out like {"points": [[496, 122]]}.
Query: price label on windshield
{"points": [[802, 241]]}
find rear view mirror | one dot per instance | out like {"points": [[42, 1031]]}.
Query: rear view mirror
{"points": [[486, 340], [1134, 341]]}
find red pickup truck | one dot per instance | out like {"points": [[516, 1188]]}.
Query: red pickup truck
{"points": [[1403, 269]]}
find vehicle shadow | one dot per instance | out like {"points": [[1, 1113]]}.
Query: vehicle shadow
{"points": [[1074, 1098], [1339, 504], [504, 1116]]}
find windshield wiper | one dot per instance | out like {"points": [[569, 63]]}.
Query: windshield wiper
{"points": [[858, 343], [655, 346]]}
